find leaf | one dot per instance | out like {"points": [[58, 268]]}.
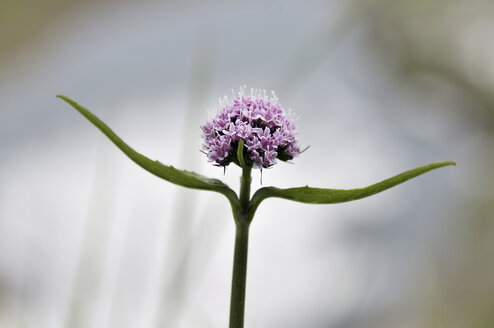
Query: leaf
{"points": [[330, 196], [240, 153], [169, 173]]}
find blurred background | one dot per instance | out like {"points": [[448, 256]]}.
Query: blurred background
{"points": [[89, 239]]}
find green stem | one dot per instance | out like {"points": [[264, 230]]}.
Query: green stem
{"points": [[239, 277], [245, 181], [237, 303]]}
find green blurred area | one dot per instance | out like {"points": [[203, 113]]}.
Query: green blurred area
{"points": [[443, 49], [21, 20]]}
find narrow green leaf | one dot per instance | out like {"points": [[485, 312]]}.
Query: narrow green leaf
{"points": [[169, 173], [240, 153], [330, 196]]}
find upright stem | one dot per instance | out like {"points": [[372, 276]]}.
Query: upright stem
{"points": [[237, 303], [242, 222], [245, 181]]}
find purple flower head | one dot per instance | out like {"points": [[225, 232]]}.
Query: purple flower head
{"points": [[257, 120]]}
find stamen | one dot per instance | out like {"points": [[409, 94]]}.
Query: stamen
{"points": [[241, 91], [224, 101], [274, 98], [292, 115]]}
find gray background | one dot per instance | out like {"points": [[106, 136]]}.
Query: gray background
{"points": [[88, 239]]}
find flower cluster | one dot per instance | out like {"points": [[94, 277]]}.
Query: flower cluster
{"points": [[261, 124]]}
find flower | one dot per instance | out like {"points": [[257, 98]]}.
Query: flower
{"points": [[257, 120]]}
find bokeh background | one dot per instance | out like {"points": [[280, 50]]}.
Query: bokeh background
{"points": [[88, 239]]}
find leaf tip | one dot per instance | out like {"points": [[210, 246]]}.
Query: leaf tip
{"points": [[447, 163], [442, 164], [64, 98]]}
